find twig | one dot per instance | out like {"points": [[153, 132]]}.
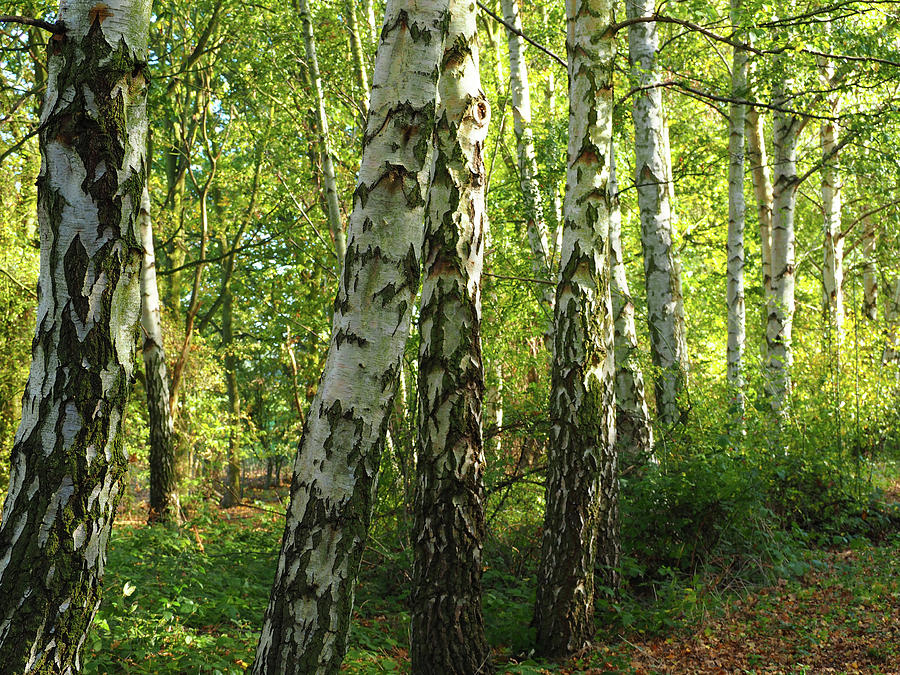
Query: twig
{"points": [[516, 31], [57, 28]]}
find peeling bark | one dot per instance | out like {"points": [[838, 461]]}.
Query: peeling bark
{"points": [[634, 428], [164, 504], [665, 313], [68, 464], [447, 625], [786, 129], [581, 519], [333, 488]]}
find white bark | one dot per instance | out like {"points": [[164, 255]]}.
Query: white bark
{"points": [[736, 213], [305, 625], [763, 192], [634, 428], [335, 224], [652, 177], [535, 221], [68, 462], [781, 312], [833, 263], [447, 626], [581, 521]]}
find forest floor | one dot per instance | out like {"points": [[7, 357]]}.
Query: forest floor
{"points": [[189, 600]]}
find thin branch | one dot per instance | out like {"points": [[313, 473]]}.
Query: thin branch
{"points": [[509, 278], [58, 28], [515, 31], [18, 283]]}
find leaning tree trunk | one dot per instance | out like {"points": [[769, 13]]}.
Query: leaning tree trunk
{"points": [[736, 212], [163, 477], [763, 193], [68, 462], [333, 488], [535, 222], [447, 625], [781, 312], [634, 428], [833, 263], [581, 520], [664, 314], [329, 180], [870, 270]]}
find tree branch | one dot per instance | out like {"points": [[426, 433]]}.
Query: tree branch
{"points": [[58, 28], [522, 35]]}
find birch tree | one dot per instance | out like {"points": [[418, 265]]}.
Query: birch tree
{"points": [[870, 270], [333, 207], [581, 519], [736, 212], [664, 304], [164, 504], [786, 128], [68, 462], [833, 263], [447, 626], [634, 428], [305, 624], [763, 193], [535, 221]]}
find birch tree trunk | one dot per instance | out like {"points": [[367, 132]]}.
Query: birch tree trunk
{"points": [[535, 221], [833, 263], [447, 625], [736, 212], [634, 429], [581, 519], [305, 624], [359, 65], [781, 311], [652, 176], [68, 463], [870, 270], [763, 192], [164, 504], [335, 224]]}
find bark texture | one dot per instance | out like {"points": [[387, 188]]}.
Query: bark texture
{"points": [[764, 195], [333, 207], [736, 211], [634, 428], [68, 464], [535, 222], [581, 519], [332, 491], [447, 626], [665, 313], [164, 504], [833, 263], [781, 311]]}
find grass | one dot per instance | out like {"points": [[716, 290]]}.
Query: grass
{"points": [[190, 599]]}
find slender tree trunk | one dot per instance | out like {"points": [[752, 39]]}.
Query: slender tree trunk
{"points": [[781, 312], [763, 192], [232, 491], [164, 504], [68, 462], [736, 212], [581, 520], [335, 224], [359, 64], [550, 100], [447, 626], [891, 319], [870, 270], [369, 10], [535, 222], [833, 263], [652, 176], [634, 429], [332, 492]]}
